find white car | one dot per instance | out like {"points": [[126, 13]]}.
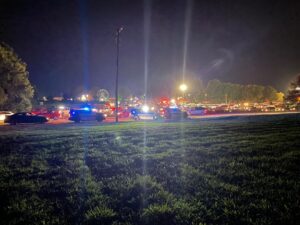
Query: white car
{"points": [[196, 111], [143, 115], [4, 114]]}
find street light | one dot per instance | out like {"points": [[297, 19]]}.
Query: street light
{"points": [[119, 30], [183, 87], [84, 97]]}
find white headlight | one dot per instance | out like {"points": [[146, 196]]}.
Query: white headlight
{"points": [[2, 117], [145, 108]]}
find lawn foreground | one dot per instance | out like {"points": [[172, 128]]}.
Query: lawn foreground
{"points": [[222, 171]]}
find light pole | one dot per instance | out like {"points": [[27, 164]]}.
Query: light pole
{"points": [[119, 30]]}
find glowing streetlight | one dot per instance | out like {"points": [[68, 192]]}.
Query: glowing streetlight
{"points": [[84, 97], [183, 87]]}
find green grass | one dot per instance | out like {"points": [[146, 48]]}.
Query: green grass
{"points": [[222, 171]]}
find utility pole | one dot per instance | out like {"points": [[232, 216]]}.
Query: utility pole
{"points": [[119, 30]]}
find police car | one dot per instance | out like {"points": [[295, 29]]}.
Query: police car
{"points": [[86, 114], [143, 114]]}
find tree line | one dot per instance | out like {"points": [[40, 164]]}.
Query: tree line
{"points": [[225, 92]]}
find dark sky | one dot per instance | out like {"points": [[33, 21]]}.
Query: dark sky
{"points": [[68, 44]]}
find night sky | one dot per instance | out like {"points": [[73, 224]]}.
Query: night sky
{"points": [[69, 45]]}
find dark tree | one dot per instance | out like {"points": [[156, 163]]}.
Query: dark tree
{"points": [[16, 92], [270, 94], [293, 95]]}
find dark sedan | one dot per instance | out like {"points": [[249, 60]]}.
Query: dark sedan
{"points": [[85, 114], [25, 118], [175, 114]]}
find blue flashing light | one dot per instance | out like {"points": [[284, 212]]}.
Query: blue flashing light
{"points": [[86, 109], [134, 112]]}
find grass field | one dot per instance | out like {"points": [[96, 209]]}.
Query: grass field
{"points": [[222, 171]]}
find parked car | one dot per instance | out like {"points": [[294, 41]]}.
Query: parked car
{"points": [[222, 109], [162, 112], [122, 112], [269, 109], [25, 117], [54, 114], [175, 114], [196, 111], [4, 114], [138, 114], [86, 114]]}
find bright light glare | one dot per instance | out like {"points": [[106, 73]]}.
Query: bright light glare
{"points": [[2, 117], [86, 108], [145, 108], [61, 107], [183, 87], [83, 98], [173, 101]]}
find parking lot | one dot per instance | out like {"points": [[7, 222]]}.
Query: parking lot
{"points": [[111, 120]]}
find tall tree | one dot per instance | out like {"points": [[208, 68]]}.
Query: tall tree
{"points": [[213, 90], [279, 97], [16, 92], [293, 95], [196, 89], [270, 94]]}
